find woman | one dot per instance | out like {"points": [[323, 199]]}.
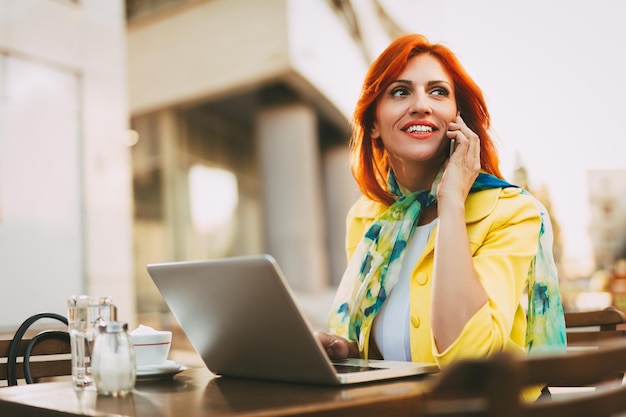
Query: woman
{"points": [[440, 248]]}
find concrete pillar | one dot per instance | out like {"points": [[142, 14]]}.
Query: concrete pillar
{"points": [[289, 163], [341, 192], [175, 184]]}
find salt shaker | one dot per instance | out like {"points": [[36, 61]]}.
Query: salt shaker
{"points": [[113, 360]]}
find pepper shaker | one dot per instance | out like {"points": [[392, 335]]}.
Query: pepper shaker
{"points": [[113, 360]]}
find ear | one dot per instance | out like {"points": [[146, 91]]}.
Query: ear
{"points": [[375, 133]]}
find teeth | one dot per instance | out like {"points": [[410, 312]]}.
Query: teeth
{"points": [[420, 129]]}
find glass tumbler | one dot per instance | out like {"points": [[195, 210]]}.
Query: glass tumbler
{"points": [[84, 313], [113, 360]]}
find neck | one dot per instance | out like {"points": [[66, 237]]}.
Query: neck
{"points": [[416, 177]]}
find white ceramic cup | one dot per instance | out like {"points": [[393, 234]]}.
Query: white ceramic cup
{"points": [[151, 346]]}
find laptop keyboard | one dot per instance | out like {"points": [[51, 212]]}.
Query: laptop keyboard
{"points": [[345, 369]]}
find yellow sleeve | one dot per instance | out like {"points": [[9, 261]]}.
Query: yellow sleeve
{"points": [[503, 246]]}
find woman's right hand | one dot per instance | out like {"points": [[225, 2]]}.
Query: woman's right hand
{"points": [[337, 347]]}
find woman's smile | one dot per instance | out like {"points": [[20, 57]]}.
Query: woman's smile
{"points": [[420, 129]]}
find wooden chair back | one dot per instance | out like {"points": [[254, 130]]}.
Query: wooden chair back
{"points": [[50, 358], [492, 387], [589, 328], [30, 357]]}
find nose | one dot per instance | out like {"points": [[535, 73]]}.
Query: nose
{"points": [[420, 103]]}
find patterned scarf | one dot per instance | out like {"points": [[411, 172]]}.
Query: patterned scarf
{"points": [[377, 260]]}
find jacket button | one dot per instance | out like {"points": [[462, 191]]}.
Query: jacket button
{"points": [[415, 321], [421, 278]]}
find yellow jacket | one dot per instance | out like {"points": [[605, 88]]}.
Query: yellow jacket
{"points": [[503, 228]]}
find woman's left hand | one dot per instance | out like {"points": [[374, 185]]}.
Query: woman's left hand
{"points": [[464, 164]]}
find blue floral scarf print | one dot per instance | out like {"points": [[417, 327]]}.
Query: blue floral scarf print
{"points": [[377, 260]]}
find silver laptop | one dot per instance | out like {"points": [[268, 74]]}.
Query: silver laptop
{"points": [[242, 319]]}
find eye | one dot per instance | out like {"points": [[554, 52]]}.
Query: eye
{"points": [[399, 92], [440, 91]]}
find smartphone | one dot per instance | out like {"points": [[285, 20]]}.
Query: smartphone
{"points": [[452, 145], [453, 141]]}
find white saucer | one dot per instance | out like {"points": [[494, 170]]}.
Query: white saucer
{"points": [[163, 370]]}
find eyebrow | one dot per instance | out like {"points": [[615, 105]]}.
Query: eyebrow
{"points": [[429, 83]]}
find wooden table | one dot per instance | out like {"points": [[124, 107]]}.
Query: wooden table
{"points": [[196, 392]]}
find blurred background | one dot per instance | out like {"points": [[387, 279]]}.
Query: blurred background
{"points": [[143, 131]]}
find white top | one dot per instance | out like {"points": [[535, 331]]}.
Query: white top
{"points": [[392, 323]]}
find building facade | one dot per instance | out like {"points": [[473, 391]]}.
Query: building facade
{"points": [[242, 111], [607, 200], [65, 189]]}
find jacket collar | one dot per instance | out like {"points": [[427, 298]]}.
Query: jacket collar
{"points": [[478, 205]]}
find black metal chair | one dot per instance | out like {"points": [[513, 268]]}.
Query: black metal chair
{"points": [[43, 344]]}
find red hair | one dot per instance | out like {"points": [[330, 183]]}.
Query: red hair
{"points": [[369, 160]]}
